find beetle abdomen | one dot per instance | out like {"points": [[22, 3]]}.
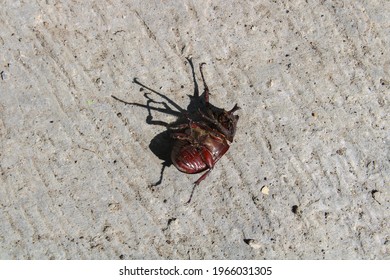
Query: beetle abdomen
{"points": [[188, 158]]}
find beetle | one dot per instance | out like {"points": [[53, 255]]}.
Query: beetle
{"points": [[204, 138]]}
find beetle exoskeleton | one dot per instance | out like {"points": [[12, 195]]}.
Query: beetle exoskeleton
{"points": [[204, 138]]}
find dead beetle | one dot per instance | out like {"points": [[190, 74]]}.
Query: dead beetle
{"points": [[206, 136], [201, 135]]}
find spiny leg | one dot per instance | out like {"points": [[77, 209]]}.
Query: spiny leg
{"points": [[206, 88], [197, 183], [215, 122]]}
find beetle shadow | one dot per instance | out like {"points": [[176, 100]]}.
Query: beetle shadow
{"points": [[161, 145]]}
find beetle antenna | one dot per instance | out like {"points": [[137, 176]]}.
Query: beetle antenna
{"points": [[206, 88]]}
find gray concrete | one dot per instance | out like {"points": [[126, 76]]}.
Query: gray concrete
{"points": [[307, 176]]}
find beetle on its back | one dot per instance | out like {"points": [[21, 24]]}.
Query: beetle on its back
{"points": [[204, 138]]}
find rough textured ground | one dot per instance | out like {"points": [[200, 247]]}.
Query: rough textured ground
{"points": [[312, 79]]}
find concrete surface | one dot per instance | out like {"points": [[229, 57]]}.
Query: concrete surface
{"points": [[307, 176]]}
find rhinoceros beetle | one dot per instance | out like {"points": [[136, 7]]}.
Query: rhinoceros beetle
{"points": [[204, 138], [201, 136]]}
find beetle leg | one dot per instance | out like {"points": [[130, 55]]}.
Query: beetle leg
{"points": [[179, 126], [212, 120], [213, 133], [182, 136], [201, 178], [235, 108], [182, 125], [197, 183], [203, 126], [206, 88], [216, 123]]}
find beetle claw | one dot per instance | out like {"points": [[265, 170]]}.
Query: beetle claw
{"points": [[235, 108]]}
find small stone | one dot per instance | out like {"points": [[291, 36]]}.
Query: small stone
{"points": [[252, 243]]}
